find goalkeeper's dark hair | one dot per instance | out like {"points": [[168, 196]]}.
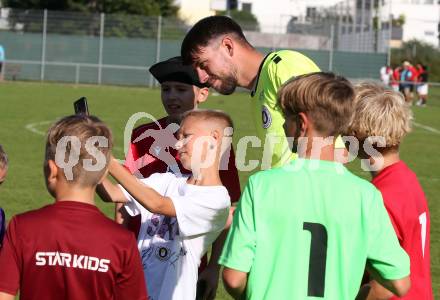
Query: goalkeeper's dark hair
{"points": [[205, 31]]}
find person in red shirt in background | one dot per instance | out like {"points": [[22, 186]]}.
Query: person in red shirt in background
{"points": [[395, 78], [383, 113], [69, 249], [152, 151], [422, 87]]}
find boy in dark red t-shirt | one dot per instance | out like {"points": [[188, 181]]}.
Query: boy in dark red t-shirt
{"points": [[383, 114], [69, 249]]}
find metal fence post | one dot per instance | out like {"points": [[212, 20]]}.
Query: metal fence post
{"points": [[158, 39], [77, 73], [361, 34], [354, 28], [332, 43], [340, 15], [390, 36], [101, 44], [43, 47]]}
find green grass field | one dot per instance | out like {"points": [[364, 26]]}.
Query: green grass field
{"points": [[27, 109]]}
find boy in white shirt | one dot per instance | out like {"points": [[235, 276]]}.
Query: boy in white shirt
{"points": [[181, 216]]}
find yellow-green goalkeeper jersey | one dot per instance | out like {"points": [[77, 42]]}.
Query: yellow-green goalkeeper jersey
{"points": [[276, 69]]}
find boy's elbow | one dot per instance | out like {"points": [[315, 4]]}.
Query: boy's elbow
{"points": [[402, 286], [234, 280]]}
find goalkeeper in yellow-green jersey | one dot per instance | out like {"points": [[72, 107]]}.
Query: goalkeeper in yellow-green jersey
{"points": [[223, 58]]}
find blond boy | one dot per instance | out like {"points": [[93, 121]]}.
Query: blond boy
{"points": [[181, 216], [381, 120]]}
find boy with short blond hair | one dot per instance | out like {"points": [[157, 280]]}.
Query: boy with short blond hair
{"points": [[181, 91], [384, 114], [69, 249], [181, 216], [307, 229]]}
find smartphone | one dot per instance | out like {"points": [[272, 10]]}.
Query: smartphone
{"points": [[81, 107]]}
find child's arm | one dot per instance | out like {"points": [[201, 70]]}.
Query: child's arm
{"points": [[374, 291], [110, 192], [398, 286], [211, 273], [5, 296], [235, 282], [146, 196]]}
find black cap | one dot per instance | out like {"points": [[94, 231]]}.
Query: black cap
{"points": [[173, 69]]}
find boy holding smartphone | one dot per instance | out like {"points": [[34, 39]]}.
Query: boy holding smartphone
{"points": [[181, 91], [181, 215]]}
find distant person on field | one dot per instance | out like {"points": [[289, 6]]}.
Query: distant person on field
{"points": [[69, 249], [395, 78], [422, 87], [383, 113], [407, 81], [3, 173], [385, 75], [307, 230]]}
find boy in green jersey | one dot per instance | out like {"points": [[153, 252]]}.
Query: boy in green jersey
{"points": [[309, 228]]}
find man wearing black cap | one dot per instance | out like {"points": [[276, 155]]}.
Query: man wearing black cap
{"points": [[181, 91]]}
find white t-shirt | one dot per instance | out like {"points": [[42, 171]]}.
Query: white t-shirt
{"points": [[171, 248]]}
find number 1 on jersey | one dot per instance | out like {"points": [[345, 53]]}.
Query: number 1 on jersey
{"points": [[317, 260]]}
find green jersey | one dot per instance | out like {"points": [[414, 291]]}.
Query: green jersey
{"points": [[307, 230], [276, 69]]}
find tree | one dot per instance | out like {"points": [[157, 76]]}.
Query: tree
{"points": [[129, 18], [165, 8]]}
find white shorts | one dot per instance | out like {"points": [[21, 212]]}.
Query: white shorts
{"points": [[422, 89]]}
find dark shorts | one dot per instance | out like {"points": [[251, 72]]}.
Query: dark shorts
{"points": [[406, 87]]}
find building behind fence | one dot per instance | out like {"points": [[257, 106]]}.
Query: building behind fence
{"points": [[118, 49]]}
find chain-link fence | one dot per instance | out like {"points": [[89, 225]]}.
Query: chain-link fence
{"points": [[118, 49]]}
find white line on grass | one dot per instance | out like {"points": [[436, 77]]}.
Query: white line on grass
{"points": [[31, 127], [426, 127]]}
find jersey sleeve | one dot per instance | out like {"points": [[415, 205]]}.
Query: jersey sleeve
{"points": [[132, 206], [130, 283], [384, 251], [200, 213], [397, 225], [283, 66], [10, 261], [130, 159], [229, 177], [240, 245]]}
